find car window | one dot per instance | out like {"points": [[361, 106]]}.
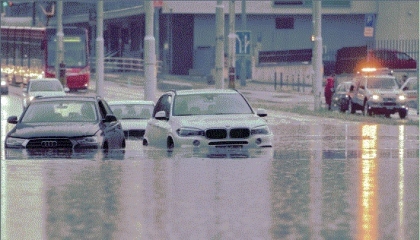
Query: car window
{"points": [[210, 104], [132, 111], [104, 109], [163, 104], [61, 111], [45, 86], [382, 83]]}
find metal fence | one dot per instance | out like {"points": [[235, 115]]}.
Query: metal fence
{"points": [[118, 64]]}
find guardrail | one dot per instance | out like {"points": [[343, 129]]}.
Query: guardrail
{"points": [[117, 64], [286, 56]]}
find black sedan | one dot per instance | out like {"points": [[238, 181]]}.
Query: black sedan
{"points": [[66, 122], [340, 98]]}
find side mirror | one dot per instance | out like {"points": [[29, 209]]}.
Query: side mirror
{"points": [[261, 112], [161, 115], [12, 119], [362, 87], [351, 88], [110, 118], [66, 89]]}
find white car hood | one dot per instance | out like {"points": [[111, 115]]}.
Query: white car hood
{"points": [[219, 121], [131, 124], [388, 92], [47, 93]]}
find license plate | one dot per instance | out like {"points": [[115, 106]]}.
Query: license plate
{"points": [[230, 147]]}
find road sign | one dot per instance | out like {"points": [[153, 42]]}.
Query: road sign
{"points": [[369, 25], [243, 42]]}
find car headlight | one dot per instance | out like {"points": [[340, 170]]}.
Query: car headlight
{"points": [[188, 132], [375, 97], [401, 97], [31, 98], [90, 140], [15, 142], [3, 83], [260, 130]]}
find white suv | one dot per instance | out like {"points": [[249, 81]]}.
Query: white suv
{"points": [[211, 119], [377, 94]]}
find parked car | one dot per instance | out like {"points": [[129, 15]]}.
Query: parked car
{"points": [[69, 122], [341, 98], [353, 59], [42, 87], [411, 88], [212, 119], [377, 94], [4, 84], [133, 115]]}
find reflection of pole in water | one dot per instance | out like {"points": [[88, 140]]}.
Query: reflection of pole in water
{"points": [[367, 217], [401, 230], [316, 184]]}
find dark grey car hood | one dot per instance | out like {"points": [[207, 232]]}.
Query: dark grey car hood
{"points": [[35, 130]]}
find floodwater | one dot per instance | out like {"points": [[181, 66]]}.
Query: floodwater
{"points": [[329, 180]]}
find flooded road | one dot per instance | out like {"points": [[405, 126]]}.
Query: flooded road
{"points": [[316, 183], [323, 179]]}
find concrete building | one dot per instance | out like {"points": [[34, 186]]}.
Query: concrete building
{"points": [[185, 30]]}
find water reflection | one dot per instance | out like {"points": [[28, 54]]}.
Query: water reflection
{"points": [[320, 183], [367, 223], [83, 204]]}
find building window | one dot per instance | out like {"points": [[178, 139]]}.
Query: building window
{"points": [[287, 2], [308, 3], [285, 23]]}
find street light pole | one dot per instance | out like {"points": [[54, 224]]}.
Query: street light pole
{"points": [[100, 49], [60, 44], [232, 41], [243, 57], [317, 54], [149, 54], [220, 46]]}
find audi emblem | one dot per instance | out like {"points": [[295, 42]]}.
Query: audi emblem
{"points": [[49, 144]]}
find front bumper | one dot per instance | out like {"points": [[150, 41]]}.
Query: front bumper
{"points": [[227, 144], [384, 107]]}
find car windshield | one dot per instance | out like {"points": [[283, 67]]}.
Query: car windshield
{"points": [[60, 111], [210, 104], [344, 87], [382, 83], [132, 111], [48, 86]]}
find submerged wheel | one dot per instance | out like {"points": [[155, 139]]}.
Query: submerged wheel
{"points": [[170, 143], [402, 113]]}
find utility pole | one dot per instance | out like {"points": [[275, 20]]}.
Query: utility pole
{"points": [[317, 54], [232, 41], [100, 48], [220, 46], [243, 58], [59, 59], [149, 54]]}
